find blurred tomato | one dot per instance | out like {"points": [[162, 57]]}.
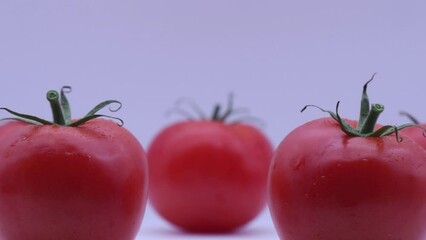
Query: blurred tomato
{"points": [[209, 175]]}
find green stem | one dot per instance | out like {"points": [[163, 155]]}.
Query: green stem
{"points": [[372, 117], [216, 113], [58, 115], [365, 104], [65, 106]]}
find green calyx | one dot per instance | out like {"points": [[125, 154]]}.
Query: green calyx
{"points": [[62, 113], [229, 114], [368, 117]]}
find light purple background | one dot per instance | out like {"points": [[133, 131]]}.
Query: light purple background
{"points": [[276, 56]]}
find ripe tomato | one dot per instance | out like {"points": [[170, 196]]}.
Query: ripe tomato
{"points": [[332, 181], [80, 182], [417, 134], [208, 175]]}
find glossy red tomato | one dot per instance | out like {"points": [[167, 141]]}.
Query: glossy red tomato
{"points": [[63, 182], [327, 183], [207, 175]]}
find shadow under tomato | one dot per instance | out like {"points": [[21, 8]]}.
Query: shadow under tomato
{"points": [[244, 232]]}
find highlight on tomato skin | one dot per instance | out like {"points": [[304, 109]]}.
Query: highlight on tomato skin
{"points": [[334, 178], [209, 175], [62, 179]]}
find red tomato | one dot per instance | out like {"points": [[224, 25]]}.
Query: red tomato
{"points": [[209, 176], [61, 182], [326, 184]]}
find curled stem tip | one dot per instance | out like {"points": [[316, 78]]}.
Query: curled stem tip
{"points": [[66, 89]]}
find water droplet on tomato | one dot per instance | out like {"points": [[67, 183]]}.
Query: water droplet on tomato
{"points": [[298, 163]]}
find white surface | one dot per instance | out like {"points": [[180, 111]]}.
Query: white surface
{"points": [[155, 228]]}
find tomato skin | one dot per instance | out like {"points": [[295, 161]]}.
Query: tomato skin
{"points": [[325, 185], [73, 183], [416, 134], [207, 176]]}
